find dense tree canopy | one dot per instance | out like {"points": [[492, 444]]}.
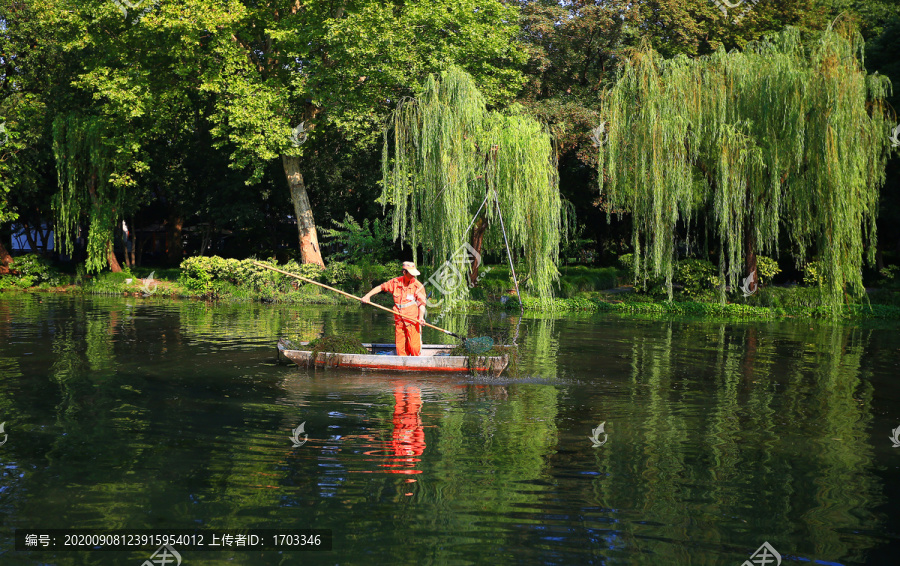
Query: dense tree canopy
{"points": [[447, 159], [195, 108], [781, 136]]}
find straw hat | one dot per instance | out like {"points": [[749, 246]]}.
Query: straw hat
{"points": [[411, 268]]}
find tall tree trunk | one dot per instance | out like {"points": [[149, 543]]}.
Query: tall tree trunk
{"points": [[110, 248], [133, 235], [306, 226], [111, 258], [750, 260], [174, 245], [5, 258], [477, 241]]}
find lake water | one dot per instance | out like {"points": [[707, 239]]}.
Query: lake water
{"points": [[718, 436]]}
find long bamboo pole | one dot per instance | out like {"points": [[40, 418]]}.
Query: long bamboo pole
{"points": [[393, 312]]}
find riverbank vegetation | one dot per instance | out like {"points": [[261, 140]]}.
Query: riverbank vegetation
{"points": [[614, 160], [579, 288]]}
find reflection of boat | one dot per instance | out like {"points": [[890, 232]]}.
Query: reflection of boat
{"points": [[434, 358]]}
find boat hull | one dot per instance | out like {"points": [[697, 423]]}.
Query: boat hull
{"points": [[434, 358]]}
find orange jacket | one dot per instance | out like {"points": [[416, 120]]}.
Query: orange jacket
{"points": [[405, 295]]}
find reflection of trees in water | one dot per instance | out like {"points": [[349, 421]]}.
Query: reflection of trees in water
{"points": [[487, 449], [743, 431], [736, 437]]}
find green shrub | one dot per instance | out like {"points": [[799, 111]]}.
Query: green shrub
{"points": [[361, 242], [766, 268], [813, 273], [787, 297], [626, 262], [33, 269], [697, 276], [200, 273]]}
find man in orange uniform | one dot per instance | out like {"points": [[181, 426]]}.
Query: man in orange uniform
{"points": [[409, 300]]}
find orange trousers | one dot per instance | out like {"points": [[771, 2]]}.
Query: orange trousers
{"points": [[408, 334]]}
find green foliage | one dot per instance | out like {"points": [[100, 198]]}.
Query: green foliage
{"points": [[92, 175], [207, 274], [582, 279], [766, 268], [336, 344], [109, 283], [448, 152], [787, 297], [369, 241], [201, 273], [697, 276], [748, 141], [814, 273], [37, 269]]}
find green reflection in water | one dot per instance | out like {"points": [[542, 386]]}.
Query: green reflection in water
{"points": [[722, 435]]}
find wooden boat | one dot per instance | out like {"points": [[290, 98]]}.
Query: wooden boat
{"points": [[434, 358]]}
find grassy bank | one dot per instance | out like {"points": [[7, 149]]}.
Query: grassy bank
{"points": [[584, 289]]}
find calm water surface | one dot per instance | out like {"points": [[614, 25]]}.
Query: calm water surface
{"points": [[719, 436]]}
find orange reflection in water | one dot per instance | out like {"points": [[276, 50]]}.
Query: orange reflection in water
{"points": [[408, 436]]}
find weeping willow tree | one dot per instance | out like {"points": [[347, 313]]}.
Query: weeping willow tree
{"points": [[783, 135], [445, 155], [91, 187]]}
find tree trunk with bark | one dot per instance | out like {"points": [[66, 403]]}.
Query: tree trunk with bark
{"points": [[750, 261], [5, 259], [174, 244], [111, 258], [306, 226]]}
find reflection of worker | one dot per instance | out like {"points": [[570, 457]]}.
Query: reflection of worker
{"points": [[409, 300], [408, 438]]}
